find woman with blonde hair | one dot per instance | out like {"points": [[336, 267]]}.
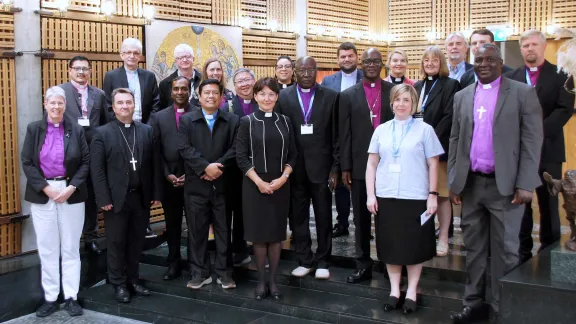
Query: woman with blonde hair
{"points": [[397, 65], [213, 70]]}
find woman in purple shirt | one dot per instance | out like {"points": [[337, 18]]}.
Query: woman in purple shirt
{"points": [[56, 163]]}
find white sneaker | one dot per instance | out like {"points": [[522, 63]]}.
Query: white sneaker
{"points": [[322, 274], [301, 272]]}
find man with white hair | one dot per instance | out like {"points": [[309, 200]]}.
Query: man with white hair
{"points": [[456, 49], [557, 108], [184, 58]]}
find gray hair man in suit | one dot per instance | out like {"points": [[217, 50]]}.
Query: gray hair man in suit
{"points": [[85, 105], [492, 168]]}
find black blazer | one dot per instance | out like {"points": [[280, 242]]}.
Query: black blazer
{"points": [[165, 131], [557, 108], [468, 76], [199, 147], [439, 109], [318, 152], [148, 90], [237, 107], [166, 88], [96, 104], [250, 151], [109, 166], [76, 161], [355, 127]]}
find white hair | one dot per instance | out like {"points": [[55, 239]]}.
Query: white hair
{"points": [[532, 32], [183, 48], [131, 42], [243, 70], [457, 34], [55, 91]]}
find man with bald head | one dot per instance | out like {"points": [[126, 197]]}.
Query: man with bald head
{"points": [[493, 162], [362, 108], [312, 109]]}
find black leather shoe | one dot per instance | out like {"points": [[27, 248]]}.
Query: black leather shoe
{"points": [[173, 272], [339, 231], [92, 247], [47, 309], [409, 306], [122, 294], [360, 275], [467, 315], [391, 304], [138, 290], [72, 307]]}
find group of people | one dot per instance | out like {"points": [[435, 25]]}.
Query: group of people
{"points": [[251, 162]]}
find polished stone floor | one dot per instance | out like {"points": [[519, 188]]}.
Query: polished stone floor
{"points": [[61, 317]]}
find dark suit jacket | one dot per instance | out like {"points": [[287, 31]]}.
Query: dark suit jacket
{"points": [[166, 88], [235, 100], [76, 161], [468, 76], [557, 108], [96, 104], [109, 166], [334, 81], [165, 131], [317, 152], [439, 108], [355, 127], [517, 138], [199, 147], [148, 90]]}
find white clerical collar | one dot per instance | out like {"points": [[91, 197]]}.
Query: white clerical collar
{"points": [[533, 69], [397, 79], [486, 86], [209, 116], [402, 122], [284, 85], [305, 90], [266, 114], [180, 110], [247, 101], [430, 78]]}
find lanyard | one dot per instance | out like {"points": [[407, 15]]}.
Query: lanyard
{"points": [[396, 149], [374, 104], [306, 114], [528, 79], [424, 99]]}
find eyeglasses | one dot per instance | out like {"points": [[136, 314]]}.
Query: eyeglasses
{"points": [[286, 66], [306, 71], [131, 53], [184, 57], [243, 81], [369, 62], [80, 69]]}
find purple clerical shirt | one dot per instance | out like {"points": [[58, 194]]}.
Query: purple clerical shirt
{"points": [[373, 93], [306, 96], [482, 149], [534, 73], [178, 115], [246, 106], [52, 152]]}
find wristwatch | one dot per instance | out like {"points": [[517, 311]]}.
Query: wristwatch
{"points": [[436, 193]]}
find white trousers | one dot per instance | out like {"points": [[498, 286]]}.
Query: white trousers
{"points": [[58, 229]]}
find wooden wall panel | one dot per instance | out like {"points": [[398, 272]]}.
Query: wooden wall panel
{"points": [[257, 10], [197, 11], [377, 14], [6, 31], [346, 14], [253, 47], [410, 19], [267, 48], [226, 12], [564, 13], [451, 16], [92, 6], [10, 239], [489, 12], [262, 71], [165, 9], [284, 12], [9, 171], [325, 51], [129, 8], [530, 14]]}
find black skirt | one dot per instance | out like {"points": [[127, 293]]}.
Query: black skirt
{"points": [[400, 239]]}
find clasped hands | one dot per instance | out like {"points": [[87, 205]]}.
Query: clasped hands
{"points": [[212, 172], [268, 188], [57, 195], [177, 182]]}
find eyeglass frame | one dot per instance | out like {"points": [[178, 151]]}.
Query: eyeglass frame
{"points": [[81, 68], [376, 62]]}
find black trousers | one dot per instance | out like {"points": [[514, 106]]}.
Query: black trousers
{"points": [[90, 229], [173, 205], [302, 191], [342, 197], [235, 219], [363, 224], [549, 214], [201, 212], [125, 235]]}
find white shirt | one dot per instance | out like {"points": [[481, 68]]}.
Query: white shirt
{"points": [[348, 80], [420, 143], [134, 85]]}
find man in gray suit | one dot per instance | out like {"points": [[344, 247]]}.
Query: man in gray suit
{"points": [[492, 168], [85, 105]]}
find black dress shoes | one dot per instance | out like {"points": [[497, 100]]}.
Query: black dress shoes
{"points": [[138, 290], [47, 309], [409, 306], [339, 231], [173, 272], [360, 275], [467, 315], [391, 304], [122, 294], [92, 247]]}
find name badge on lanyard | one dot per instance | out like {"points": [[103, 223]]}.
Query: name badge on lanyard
{"points": [[306, 128], [395, 168], [85, 122], [424, 99]]}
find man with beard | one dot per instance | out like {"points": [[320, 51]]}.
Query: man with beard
{"points": [[363, 107], [456, 48], [184, 58], [165, 125], [557, 108], [492, 170], [348, 76], [312, 109]]}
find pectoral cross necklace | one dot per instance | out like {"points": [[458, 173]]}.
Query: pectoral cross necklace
{"points": [[133, 161]]}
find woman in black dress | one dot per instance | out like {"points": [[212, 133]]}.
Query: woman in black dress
{"points": [[265, 151]]}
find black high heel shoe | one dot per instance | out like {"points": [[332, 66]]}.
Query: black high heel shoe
{"points": [[275, 295], [259, 295], [409, 306], [391, 304]]}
